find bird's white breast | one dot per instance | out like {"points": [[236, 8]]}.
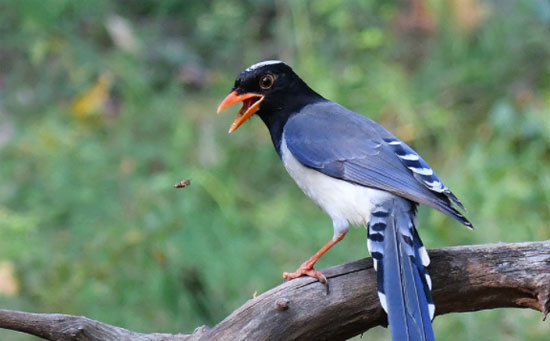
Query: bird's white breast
{"points": [[341, 200]]}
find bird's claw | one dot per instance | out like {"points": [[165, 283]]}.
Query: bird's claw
{"points": [[306, 271]]}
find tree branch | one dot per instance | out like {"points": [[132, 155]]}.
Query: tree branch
{"points": [[465, 278]]}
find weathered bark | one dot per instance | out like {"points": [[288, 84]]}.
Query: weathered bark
{"points": [[465, 278]]}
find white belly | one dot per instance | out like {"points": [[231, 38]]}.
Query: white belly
{"points": [[344, 202]]}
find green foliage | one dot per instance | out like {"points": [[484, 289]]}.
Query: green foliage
{"points": [[105, 105]]}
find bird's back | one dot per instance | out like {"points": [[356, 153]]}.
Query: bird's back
{"points": [[343, 144]]}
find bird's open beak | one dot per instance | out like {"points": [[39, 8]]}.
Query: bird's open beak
{"points": [[251, 104]]}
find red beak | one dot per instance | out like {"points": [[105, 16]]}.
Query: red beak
{"points": [[251, 103]]}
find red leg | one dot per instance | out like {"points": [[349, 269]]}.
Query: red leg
{"points": [[306, 269]]}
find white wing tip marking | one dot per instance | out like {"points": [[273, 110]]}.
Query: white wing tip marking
{"points": [[431, 309], [435, 186], [410, 157], [394, 142], [422, 171]]}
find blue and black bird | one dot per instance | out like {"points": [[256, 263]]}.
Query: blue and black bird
{"points": [[358, 173]]}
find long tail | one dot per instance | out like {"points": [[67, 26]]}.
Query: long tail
{"points": [[400, 260]]}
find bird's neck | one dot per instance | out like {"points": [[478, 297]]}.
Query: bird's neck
{"points": [[278, 114]]}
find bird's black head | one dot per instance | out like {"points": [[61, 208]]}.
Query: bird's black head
{"points": [[271, 89]]}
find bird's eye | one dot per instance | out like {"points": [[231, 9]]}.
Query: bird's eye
{"points": [[266, 81]]}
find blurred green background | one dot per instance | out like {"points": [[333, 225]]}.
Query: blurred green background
{"points": [[104, 105]]}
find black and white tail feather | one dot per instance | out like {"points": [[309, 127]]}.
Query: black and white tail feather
{"points": [[400, 260]]}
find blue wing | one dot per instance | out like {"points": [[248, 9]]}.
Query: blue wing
{"points": [[345, 145]]}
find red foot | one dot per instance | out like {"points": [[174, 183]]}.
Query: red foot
{"points": [[305, 271]]}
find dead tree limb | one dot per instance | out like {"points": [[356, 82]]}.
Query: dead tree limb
{"points": [[465, 278]]}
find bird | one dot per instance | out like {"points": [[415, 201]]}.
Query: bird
{"points": [[358, 173]]}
